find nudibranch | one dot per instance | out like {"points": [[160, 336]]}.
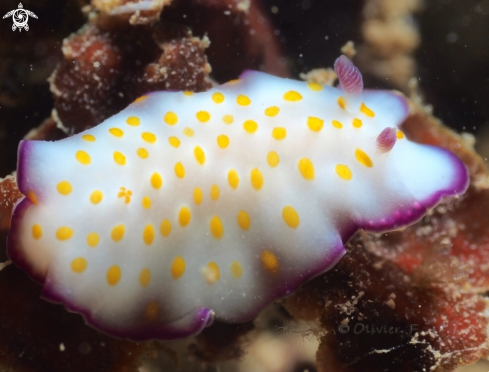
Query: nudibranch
{"points": [[185, 207]]}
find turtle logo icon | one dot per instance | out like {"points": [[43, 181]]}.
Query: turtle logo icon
{"points": [[20, 17]]}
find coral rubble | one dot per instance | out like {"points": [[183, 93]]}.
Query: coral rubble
{"points": [[390, 37]]}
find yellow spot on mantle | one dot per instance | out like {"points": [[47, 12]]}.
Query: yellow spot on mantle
{"points": [[243, 100], [211, 273], [144, 277], [83, 157], [236, 269], [343, 172], [126, 194], [315, 124], [89, 138], [272, 111], [367, 111], [233, 179], [96, 197], [179, 170], [273, 159], [216, 228], [165, 227], [119, 158], [315, 86], [228, 119], [79, 265], [31, 195], [118, 233], [399, 135], [244, 220], [184, 216], [170, 118], [113, 275], [218, 97], [148, 137], [363, 158], [203, 116], [256, 179], [357, 123], [116, 132], [148, 234], [140, 99], [292, 96], [174, 141], [341, 102], [152, 311], [156, 181], [199, 155], [270, 261], [189, 132], [223, 141], [142, 153], [279, 133], [146, 202], [133, 120], [215, 192], [188, 93], [64, 188], [306, 167], [250, 126], [177, 267], [291, 217], [64, 233], [93, 239], [36, 231], [337, 124], [198, 195]]}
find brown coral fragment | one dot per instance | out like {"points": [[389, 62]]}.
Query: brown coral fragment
{"points": [[108, 64], [177, 65], [325, 76], [390, 38], [9, 195], [137, 11]]}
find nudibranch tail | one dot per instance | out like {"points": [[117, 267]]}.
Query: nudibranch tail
{"points": [[182, 206], [349, 76], [386, 139]]}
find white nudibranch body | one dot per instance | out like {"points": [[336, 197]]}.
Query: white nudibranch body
{"points": [[188, 206]]}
